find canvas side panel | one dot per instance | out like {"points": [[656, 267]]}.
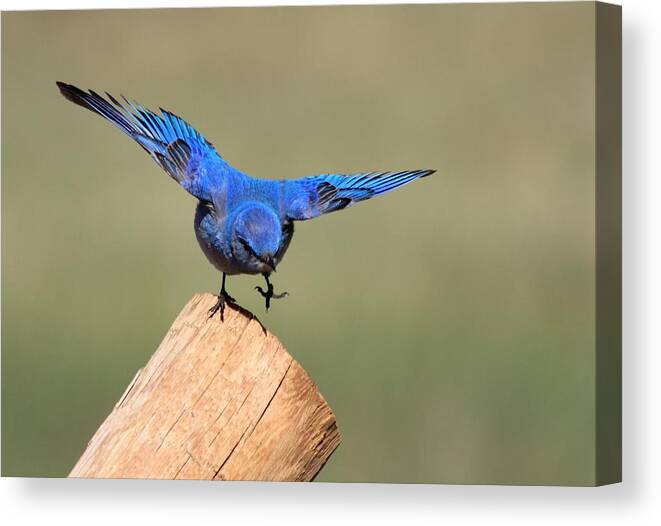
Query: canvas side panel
{"points": [[609, 243]]}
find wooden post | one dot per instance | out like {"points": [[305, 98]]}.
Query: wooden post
{"points": [[217, 400]]}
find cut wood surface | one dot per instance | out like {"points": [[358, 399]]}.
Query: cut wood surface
{"points": [[217, 400]]}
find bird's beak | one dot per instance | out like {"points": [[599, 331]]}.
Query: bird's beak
{"points": [[270, 262]]}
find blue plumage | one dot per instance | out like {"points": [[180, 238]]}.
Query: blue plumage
{"points": [[243, 225]]}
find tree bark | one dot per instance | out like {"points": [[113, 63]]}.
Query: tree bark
{"points": [[217, 400]]}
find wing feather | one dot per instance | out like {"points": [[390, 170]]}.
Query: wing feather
{"points": [[174, 144], [321, 194]]}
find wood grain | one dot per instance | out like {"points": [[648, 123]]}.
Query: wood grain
{"points": [[217, 400]]}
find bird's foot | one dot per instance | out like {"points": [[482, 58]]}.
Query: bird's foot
{"points": [[269, 294], [223, 299]]}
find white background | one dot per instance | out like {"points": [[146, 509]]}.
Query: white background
{"points": [[636, 501]]}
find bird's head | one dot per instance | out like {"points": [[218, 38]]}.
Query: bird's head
{"points": [[257, 235]]}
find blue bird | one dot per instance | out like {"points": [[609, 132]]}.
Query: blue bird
{"points": [[244, 225]]}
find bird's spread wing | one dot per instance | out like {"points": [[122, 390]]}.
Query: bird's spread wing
{"points": [[320, 194], [174, 144]]}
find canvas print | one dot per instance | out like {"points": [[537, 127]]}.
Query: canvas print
{"points": [[339, 243]]}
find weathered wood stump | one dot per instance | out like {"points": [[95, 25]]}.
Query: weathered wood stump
{"points": [[217, 400]]}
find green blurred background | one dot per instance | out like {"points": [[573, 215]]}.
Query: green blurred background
{"points": [[450, 325]]}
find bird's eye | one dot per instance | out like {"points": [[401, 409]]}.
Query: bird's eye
{"points": [[247, 247], [287, 227]]}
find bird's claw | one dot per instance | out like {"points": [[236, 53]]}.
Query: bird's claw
{"points": [[219, 306], [223, 299], [268, 294]]}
